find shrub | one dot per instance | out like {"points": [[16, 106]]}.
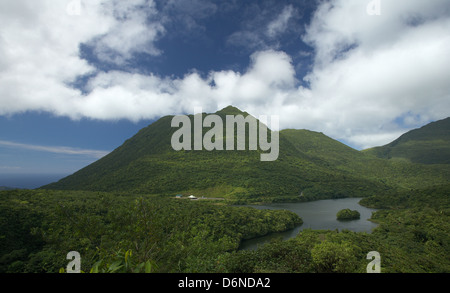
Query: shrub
{"points": [[347, 214]]}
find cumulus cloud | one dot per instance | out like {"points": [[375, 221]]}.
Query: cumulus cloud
{"points": [[134, 96], [373, 77], [134, 29], [40, 42], [372, 70]]}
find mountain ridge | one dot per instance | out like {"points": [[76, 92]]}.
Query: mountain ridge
{"points": [[429, 144], [310, 166]]}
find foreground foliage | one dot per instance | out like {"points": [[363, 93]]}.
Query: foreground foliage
{"points": [[119, 233], [413, 236], [124, 233]]}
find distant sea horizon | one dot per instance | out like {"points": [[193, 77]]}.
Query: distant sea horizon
{"points": [[29, 181]]}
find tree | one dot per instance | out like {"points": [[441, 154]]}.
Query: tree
{"points": [[331, 257], [347, 214]]}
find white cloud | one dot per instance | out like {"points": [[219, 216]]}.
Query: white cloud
{"points": [[133, 30], [246, 39], [40, 46], [266, 27], [280, 24], [369, 72], [10, 168], [55, 149]]}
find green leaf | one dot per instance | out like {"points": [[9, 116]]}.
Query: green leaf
{"points": [[148, 267], [126, 256], [139, 267], [94, 269], [115, 266]]}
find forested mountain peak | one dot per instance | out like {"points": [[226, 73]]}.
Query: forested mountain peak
{"points": [[310, 164], [429, 144]]}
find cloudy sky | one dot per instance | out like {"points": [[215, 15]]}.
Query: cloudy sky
{"points": [[79, 77]]}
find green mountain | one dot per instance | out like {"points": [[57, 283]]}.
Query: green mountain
{"points": [[310, 165], [427, 145]]}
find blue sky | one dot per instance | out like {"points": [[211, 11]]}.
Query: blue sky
{"points": [[78, 78]]}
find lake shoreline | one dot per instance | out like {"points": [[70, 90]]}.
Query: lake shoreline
{"points": [[316, 215]]}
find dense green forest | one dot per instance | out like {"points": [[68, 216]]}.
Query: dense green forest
{"points": [[120, 213], [39, 227], [429, 144], [310, 166], [128, 233]]}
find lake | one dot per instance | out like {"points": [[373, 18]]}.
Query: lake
{"points": [[317, 215]]}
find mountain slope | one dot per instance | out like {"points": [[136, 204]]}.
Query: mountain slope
{"points": [[310, 166], [429, 144]]}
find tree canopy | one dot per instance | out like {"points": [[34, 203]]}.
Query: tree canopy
{"points": [[347, 214]]}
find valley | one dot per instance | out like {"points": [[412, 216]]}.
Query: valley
{"points": [[123, 215]]}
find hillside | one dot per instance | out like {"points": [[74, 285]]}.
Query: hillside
{"points": [[310, 166], [429, 144]]}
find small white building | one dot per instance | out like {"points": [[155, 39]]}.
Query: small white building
{"points": [[192, 197]]}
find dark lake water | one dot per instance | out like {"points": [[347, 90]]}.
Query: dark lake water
{"points": [[318, 215]]}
